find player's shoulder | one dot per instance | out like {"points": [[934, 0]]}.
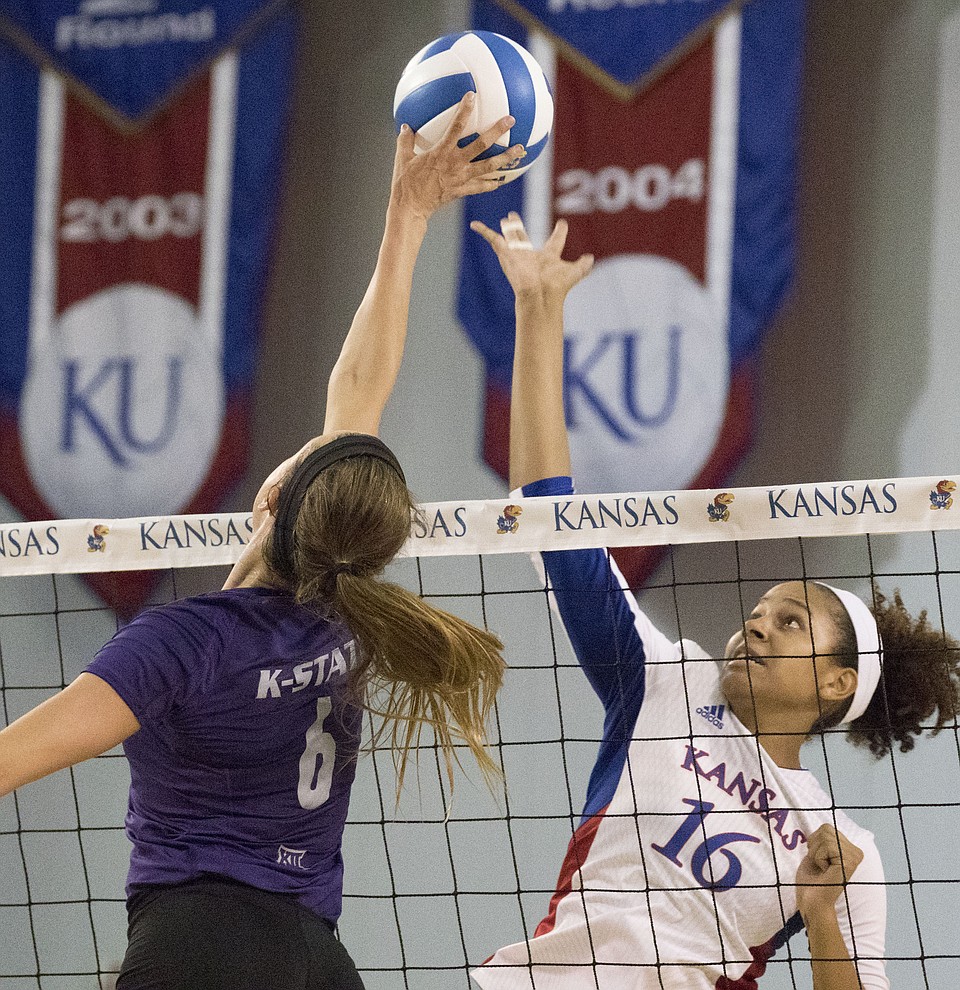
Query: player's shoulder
{"points": [[686, 672], [208, 616], [698, 669], [257, 615], [854, 831], [863, 839], [690, 650], [220, 604]]}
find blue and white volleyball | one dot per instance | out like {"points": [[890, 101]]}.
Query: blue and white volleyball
{"points": [[507, 80]]}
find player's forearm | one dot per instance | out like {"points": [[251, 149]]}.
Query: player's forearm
{"points": [[369, 362], [538, 435], [832, 967], [8, 763]]}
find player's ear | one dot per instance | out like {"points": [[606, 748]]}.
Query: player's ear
{"points": [[273, 499], [837, 683]]}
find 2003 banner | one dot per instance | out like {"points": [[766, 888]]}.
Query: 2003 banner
{"points": [[141, 140]]}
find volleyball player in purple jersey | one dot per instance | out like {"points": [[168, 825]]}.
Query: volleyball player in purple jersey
{"points": [[240, 711], [704, 845]]}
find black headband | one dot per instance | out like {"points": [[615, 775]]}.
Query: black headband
{"points": [[304, 474]]}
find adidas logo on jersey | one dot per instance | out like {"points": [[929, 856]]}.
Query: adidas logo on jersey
{"points": [[713, 714]]}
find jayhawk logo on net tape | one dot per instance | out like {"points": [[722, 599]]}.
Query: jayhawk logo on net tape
{"points": [[942, 496], [719, 509], [509, 520], [97, 540]]}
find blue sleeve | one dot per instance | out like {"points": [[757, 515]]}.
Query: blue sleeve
{"points": [[162, 658], [597, 615]]}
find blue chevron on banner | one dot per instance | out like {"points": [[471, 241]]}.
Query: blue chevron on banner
{"points": [[131, 54], [627, 42]]}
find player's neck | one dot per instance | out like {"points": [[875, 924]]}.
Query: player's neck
{"points": [[245, 574], [781, 734], [784, 750], [251, 570]]}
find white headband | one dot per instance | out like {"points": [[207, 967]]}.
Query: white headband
{"points": [[869, 647]]}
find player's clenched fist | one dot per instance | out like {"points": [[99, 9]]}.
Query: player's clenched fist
{"points": [[826, 869]]}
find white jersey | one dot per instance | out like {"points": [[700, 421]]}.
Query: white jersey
{"points": [[682, 871]]}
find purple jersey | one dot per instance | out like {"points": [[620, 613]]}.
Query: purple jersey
{"points": [[247, 747]]}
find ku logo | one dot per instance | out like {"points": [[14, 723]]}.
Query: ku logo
{"points": [[115, 379], [97, 541], [291, 857], [123, 406], [942, 496], [645, 375], [719, 510], [509, 521], [587, 382]]}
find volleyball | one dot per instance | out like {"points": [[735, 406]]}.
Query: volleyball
{"points": [[506, 78]]}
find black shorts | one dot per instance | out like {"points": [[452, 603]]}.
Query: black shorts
{"points": [[216, 934]]}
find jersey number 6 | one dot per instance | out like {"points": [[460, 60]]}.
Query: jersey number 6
{"points": [[711, 844], [314, 786]]}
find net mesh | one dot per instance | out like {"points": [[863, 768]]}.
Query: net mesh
{"points": [[437, 883]]}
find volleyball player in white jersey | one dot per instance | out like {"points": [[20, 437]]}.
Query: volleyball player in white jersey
{"points": [[704, 845]]}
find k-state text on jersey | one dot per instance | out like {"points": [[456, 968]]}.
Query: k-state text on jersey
{"points": [[275, 681]]}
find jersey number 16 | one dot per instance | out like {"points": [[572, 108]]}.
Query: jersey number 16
{"points": [[700, 860]]}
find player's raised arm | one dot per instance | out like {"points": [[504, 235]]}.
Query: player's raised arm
{"points": [[365, 373], [598, 611], [541, 280]]}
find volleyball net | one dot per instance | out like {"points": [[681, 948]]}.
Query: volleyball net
{"points": [[438, 882]]}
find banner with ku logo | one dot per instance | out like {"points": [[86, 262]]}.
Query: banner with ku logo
{"points": [[673, 161], [143, 140]]}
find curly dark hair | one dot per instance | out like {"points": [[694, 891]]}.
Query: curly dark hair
{"points": [[921, 676]]}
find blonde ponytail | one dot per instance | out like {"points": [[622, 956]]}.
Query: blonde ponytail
{"points": [[420, 665], [417, 665]]}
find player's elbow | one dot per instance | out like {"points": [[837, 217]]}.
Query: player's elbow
{"points": [[345, 379], [353, 387], [9, 780]]}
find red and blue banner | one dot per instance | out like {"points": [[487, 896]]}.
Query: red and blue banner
{"points": [[143, 141], [629, 43], [673, 160]]}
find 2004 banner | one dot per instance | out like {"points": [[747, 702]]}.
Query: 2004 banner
{"points": [[673, 160], [141, 140]]}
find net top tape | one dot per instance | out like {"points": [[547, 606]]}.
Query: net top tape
{"points": [[519, 525]]}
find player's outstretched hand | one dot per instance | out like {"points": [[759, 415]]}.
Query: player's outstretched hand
{"points": [[826, 869], [425, 182], [538, 275]]}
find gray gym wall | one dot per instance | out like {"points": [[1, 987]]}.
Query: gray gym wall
{"points": [[856, 381]]}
